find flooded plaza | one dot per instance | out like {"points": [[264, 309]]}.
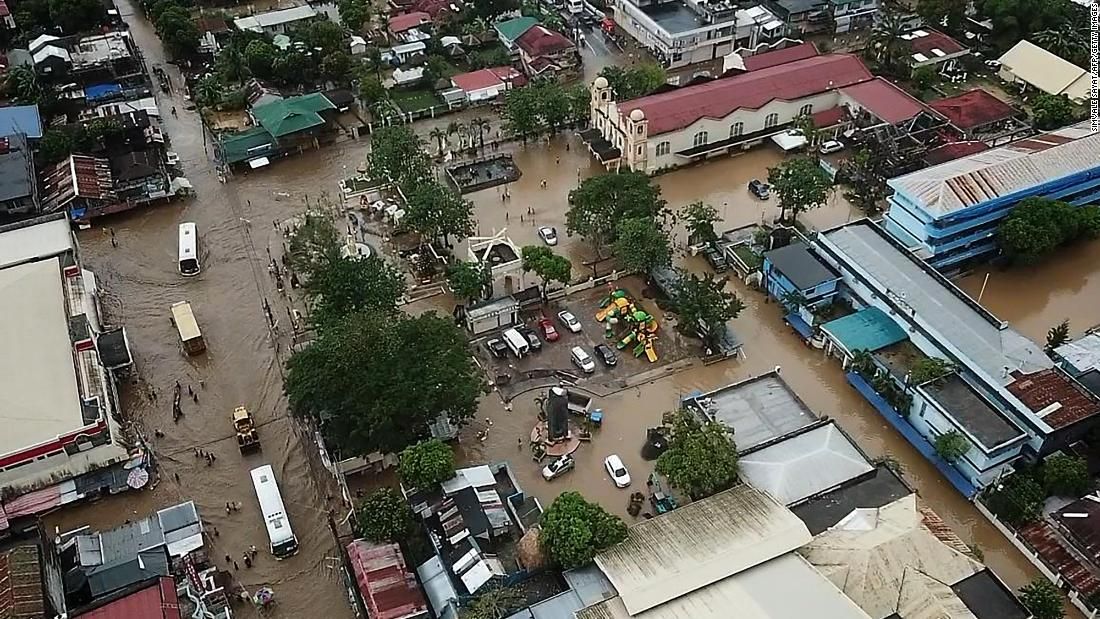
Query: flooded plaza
{"points": [[243, 364]]}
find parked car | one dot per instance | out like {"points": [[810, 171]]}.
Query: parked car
{"points": [[830, 146], [569, 321], [532, 337], [497, 348], [558, 467], [549, 235], [606, 355], [715, 258], [617, 470], [548, 330], [760, 189], [582, 359]]}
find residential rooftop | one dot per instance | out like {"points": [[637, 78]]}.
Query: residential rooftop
{"points": [[973, 108], [1000, 172], [388, 588], [926, 44], [1054, 397], [917, 290], [798, 264], [759, 409], [973, 412], [886, 101], [1083, 353], [272, 19], [988, 598], [880, 488], [16, 169]]}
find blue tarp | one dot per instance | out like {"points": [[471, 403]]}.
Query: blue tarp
{"points": [[803, 329], [915, 438], [21, 119], [101, 91]]}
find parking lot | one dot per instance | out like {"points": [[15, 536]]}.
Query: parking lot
{"points": [[553, 361]]}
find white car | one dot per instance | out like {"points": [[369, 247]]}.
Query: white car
{"points": [[569, 321], [617, 470], [830, 147], [558, 467], [548, 235]]}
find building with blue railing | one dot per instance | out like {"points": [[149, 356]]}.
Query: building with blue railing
{"points": [[948, 214]]}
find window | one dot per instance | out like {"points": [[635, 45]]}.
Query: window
{"points": [[639, 129], [806, 110], [640, 147], [737, 129], [662, 148], [700, 138], [771, 120]]}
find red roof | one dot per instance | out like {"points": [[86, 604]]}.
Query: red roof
{"points": [[507, 74], [408, 21], [157, 601], [676, 109], [388, 588], [477, 80], [1041, 389], [21, 594], [954, 150], [828, 118], [541, 41], [780, 56], [435, 7], [885, 100], [973, 108], [933, 39], [4, 10]]}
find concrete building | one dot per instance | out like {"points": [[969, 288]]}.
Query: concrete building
{"points": [[63, 443], [758, 410], [1081, 359], [809, 16], [949, 213], [18, 181], [685, 32], [695, 122], [276, 22], [1034, 67]]}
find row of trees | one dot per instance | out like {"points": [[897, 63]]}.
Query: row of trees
{"points": [[544, 107], [1038, 226], [174, 25]]}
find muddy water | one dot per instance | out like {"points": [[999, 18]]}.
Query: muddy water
{"points": [[1036, 298]]}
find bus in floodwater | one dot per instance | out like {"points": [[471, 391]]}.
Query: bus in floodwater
{"points": [[279, 533], [189, 250]]}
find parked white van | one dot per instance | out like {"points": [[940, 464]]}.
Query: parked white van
{"points": [[582, 359], [516, 343]]}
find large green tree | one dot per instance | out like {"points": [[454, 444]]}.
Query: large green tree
{"points": [[799, 184], [178, 31], [1036, 227], [948, 14], [437, 212], [574, 530], [354, 14], [1014, 20], [375, 382], [1051, 111], [521, 113], [636, 81], [865, 174], [398, 154], [952, 445], [641, 245], [891, 50], [701, 458], [383, 516], [1016, 500], [699, 219], [549, 266], [75, 16], [601, 202], [468, 280], [426, 464], [1065, 475], [1057, 335], [1043, 599], [703, 305], [259, 57]]}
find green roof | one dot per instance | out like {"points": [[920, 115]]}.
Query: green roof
{"points": [[247, 144], [868, 329], [293, 114], [513, 29]]}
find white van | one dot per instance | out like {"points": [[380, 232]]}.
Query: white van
{"points": [[517, 343], [582, 359]]}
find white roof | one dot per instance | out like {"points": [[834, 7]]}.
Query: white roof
{"points": [[804, 465], [784, 588], [51, 50], [275, 18], [1040, 68], [448, 41], [41, 40], [408, 48], [1083, 354], [789, 140], [39, 397], [44, 240], [472, 477], [955, 185], [699, 544], [882, 559], [401, 76]]}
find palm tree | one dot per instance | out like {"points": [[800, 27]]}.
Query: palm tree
{"points": [[208, 92], [1064, 42], [439, 136], [886, 39], [482, 125], [460, 129]]}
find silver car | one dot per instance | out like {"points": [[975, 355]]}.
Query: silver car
{"points": [[569, 321], [548, 235]]}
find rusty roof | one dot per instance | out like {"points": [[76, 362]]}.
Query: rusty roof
{"points": [[973, 108], [21, 595], [388, 588], [969, 181], [1068, 402], [1041, 537], [1081, 519]]}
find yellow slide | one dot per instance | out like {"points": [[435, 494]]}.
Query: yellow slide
{"points": [[650, 353]]}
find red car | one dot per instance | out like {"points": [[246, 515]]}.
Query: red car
{"points": [[548, 330]]}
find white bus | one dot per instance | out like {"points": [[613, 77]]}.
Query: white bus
{"points": [[189, 250], [283, 542]]}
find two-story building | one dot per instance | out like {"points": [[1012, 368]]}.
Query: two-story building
{"points": [[800, 281], [685, 32], [949, 213], [810, 16], [18, 181]]}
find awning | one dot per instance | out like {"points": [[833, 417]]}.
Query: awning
{"points": [[789, 141], [590, 134], [258, 163]]}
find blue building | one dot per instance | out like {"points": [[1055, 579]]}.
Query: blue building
{"points": [[948, 214], [800, 281]]}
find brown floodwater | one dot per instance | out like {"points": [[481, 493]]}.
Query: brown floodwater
{"points": [[241, 366]]}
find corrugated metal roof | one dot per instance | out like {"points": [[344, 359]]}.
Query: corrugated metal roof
{"points": [[699, 544], [1083, 354], [969, 181], [868, 329], [389, 589], [1040, 68]]}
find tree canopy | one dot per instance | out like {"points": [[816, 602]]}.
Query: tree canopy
{"points": [[952, 445], [436, 211], [635, 81], [641, 245], [468, 280], [1038, 226], [601, 202], [354, 14], [1051, 111], [383, 516], [1065, 475], [1016, 500], [398, 154], [948, 14], [800, 184], [176, 29], [1043, 599], [374, 382], [1056, 336], [549, 266], [701, 458], [699, 219], [574, 530], [426, 464], [703, 305]]}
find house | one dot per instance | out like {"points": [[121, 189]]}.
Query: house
{"points": [[485, 84], [155, 598], [928, 47], [110, 57], [491, 315], [388, 589], [357, 45], [276, 22], [510, 30], [1081, 360], [1034, 67], [81, 185], [410, 27], [698, 121], [950, 212], [30, 579], [254, 146], [22, 119], [293, 118], [795, 270], [758, 410], [18, 181], [544, 52], [213, 31], [139, 176], [685, 32], [777, 57], [852, 15], [405, 52], [978, 115]]}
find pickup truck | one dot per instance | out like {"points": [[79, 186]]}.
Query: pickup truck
{"points": [[578, 402]]}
